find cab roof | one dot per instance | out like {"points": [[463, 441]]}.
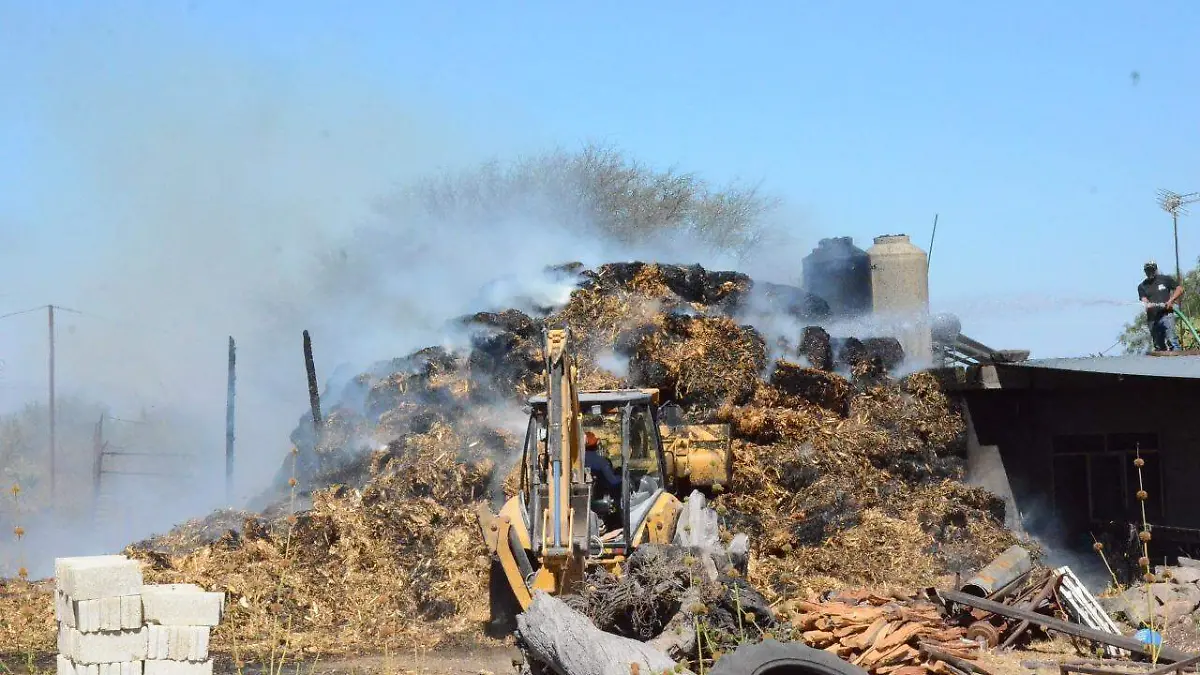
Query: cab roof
{"points": [[607, 396]]}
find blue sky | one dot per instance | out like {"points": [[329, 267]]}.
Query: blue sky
{"points": [[1020, 124]]}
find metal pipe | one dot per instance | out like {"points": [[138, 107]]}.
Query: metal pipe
{"points": [[1043, 596], [1009, 588], [1007, 567]]}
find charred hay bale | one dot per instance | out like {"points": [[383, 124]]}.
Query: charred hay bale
{"points": [[815, 346], [564, 271], [886, 352], [416, 378], [675, 284], [510, 321], [627, 341], [851, 353], [501, 365], [700, 361], [692, 283], [797, 474], [825, 520], [824, 389], [342, 431], [789, 300], [919, 466]]}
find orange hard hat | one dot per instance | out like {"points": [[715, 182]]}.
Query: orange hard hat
{"points": [[589, 439]]}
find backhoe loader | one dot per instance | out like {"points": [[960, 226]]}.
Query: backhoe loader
{"points": [[559, 525]]}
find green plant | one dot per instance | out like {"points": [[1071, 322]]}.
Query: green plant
{"points": [[276, 665], [1144, 562]]}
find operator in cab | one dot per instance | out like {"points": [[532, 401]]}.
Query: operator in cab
{"points": [[1159, 294], [602, 470]]}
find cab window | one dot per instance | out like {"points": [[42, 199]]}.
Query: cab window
{"points": [[645, 478]]}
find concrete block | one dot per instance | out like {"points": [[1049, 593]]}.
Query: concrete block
{"points": [[178, 668], [131, 612], [63, 610], [106, 647], [181, 605], [99, 577], [177, 643], [60, 565], [106, 614], [68, 667]]}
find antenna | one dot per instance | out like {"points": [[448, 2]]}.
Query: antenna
{"points": [[1174, 204]]}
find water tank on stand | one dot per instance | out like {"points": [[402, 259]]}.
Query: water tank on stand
{"points": [[840, 273], [900, 292]]}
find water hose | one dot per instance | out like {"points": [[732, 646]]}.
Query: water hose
{"points": [[1187, 322]]}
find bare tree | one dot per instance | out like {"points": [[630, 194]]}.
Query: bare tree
{"points": [[596, 190]]}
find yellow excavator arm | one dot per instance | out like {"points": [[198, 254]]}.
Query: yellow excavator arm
{"points": [[565, 523]]}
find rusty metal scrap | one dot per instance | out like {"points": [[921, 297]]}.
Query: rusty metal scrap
{"points": [[1166, 654]]}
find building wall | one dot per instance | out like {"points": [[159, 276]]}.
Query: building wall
{"points": [[1024, 423]]}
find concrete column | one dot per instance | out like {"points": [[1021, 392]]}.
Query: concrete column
{"points": [[985, 469]]}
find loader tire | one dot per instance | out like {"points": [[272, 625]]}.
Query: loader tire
{"points": [[771, 657], [503, 604]]}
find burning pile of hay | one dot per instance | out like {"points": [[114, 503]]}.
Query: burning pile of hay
{"points": [[397, 563], [838, 480]]}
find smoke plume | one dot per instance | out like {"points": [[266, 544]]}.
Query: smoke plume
{"points": [[179, 193]]}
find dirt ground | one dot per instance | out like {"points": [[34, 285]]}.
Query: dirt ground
{"points": [[1042, 658], [458, 661]]}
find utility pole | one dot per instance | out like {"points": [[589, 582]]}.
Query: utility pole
{"points": [[53, 450], [1174, 204], [229, 396]]}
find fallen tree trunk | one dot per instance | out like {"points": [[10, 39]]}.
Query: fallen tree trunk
{"points": [[569, 644]]}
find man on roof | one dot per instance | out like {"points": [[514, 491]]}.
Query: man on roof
{"points": [[1159, 294]]}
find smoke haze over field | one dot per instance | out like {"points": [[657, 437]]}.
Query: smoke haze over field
{"points": [[181, 194], [176, 189]]}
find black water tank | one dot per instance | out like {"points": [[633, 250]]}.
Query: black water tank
{"points": [[839, 272]]}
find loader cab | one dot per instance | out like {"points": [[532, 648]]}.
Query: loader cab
{"points": [[626, 424]]}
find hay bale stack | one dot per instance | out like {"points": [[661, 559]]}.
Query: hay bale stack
{"points": [[815, 346], [700, 361], [886, 353], [815, 386], [835, 485], [406, 547]]}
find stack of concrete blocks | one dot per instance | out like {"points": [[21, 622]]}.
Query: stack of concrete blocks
{"points": [[110, 623], [179, 620], [98, 604]]}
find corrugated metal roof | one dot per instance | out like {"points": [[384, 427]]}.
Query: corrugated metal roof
{"points": [[1185, 367]]}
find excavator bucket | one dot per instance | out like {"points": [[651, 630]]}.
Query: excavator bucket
{"points": [[699, 455]]}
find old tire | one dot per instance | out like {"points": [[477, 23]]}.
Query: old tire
{"points": [[503, 604], [771, 657]]}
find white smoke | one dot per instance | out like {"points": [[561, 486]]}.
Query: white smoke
{"points": [[183, 194]]}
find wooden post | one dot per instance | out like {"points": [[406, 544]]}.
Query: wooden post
{"points": [[53, 451], [309, 458], [314, 395], [229, 408]]}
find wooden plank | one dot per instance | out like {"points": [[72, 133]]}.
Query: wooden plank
{"points": [[1165, 654]]}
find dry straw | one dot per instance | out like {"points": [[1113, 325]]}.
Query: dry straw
{"points": [[838, 482]]}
